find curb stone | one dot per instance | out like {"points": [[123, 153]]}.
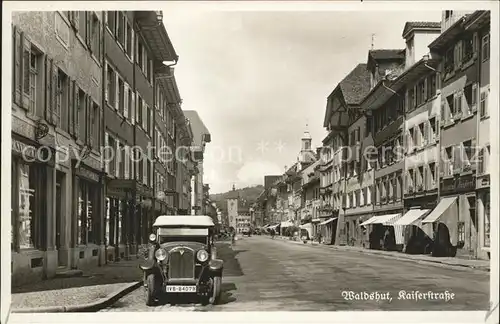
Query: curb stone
{"points": [[89, 307], [404, 258]]}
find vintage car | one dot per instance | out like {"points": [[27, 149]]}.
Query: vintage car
{"points": [[182, 260]]}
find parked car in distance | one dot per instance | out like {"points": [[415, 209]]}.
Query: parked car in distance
{"points": [[182, 260]]}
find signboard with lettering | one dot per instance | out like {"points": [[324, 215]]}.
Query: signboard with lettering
{"points": [[31, 153], [458, 184], [83, 172]]}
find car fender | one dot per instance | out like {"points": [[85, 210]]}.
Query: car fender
{"points": [[150, 262], [216, 265]]}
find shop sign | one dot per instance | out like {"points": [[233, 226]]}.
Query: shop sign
{"points": [[31, 153], [458, 184], [87, 174], [116, 192]]}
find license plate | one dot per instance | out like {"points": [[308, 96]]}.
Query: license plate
{"points": [[181, 289]]}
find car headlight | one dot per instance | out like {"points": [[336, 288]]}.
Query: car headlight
{"points": [[161, 254], [202, 255], [152, 237]]}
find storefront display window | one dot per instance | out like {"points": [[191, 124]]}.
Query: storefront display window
{"points": [[107, 232], [27, 202], [86, 202]]}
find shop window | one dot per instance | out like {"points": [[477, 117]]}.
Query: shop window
{"points": [[29, 222], [461, 233], [107, 233], [86, 203], [487, 215]]}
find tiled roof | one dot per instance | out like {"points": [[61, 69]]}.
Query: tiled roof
{"points": [[421, 25], [387, 54], [356, 85]]}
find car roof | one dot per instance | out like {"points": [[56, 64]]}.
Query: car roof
{"points": [[184, 220]]}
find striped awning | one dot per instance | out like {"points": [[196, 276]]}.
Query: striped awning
{"points": [[384, 219], [440, 209], [412, 216]]}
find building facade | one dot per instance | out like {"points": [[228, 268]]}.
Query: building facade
{"points": [[89, 86], [201, 137], [56, 109], [456, 228], [480, 22]]}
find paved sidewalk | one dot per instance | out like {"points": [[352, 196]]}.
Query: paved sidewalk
{"points": [[483, 265], [95, 288]]}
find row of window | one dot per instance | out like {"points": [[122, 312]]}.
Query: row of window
{"points": [[124, 161], [421, 178], [388, 189], [463, 51], [120, 96], [462, 158], [359, 198], [87, 27], [162, 106], [422, 134], [423, 91], [132, 45], [43, 89]]}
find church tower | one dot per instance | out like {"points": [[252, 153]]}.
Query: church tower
{"points": [[306, 153]]}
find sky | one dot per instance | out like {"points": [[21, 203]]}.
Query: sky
{"points": [[257, 78]]}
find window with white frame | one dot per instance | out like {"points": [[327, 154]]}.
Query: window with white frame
{"points": [[487, 219], [485, 47], [483, 105]]}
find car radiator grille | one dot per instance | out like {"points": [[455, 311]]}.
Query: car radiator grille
{"points": [[181, 264]]}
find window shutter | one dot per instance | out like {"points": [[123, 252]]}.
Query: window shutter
{"points": [[71, 106], [106, 157], [144, 114], [48, 90], [91, 119], [88, 25], [117, 92], [126, 162], [105, 81], [18, 58], [459, 102], [144, 170], [125, 98], [54, 94], [100, 38], [76, 114], [151, 124], [117, 159], [474, 97], [75, 19], [132, 43], [25, 61], [132, 164], [133, 108], [426, 132], [151, 172], [475, 44]]}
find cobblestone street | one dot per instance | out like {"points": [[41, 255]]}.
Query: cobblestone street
{"points": [[261, 274]]}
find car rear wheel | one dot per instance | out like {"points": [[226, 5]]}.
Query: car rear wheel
{"points": [[150, 290]]}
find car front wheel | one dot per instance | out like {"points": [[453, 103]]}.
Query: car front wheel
{"points": [[216, 291], [150, 290]]}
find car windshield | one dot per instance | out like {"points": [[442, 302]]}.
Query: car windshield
{"points": [[168, 239]]}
